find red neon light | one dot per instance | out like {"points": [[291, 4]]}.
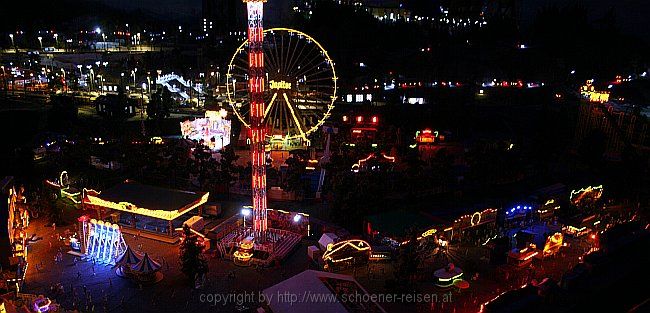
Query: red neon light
{"points": [[258, 131], [374, 120], [359, 119]]}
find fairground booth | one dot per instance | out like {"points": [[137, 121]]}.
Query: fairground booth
{"points": [[147, 209], [394, 228]]}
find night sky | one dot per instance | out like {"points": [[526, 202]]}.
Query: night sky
{"points": [[631, 15]]}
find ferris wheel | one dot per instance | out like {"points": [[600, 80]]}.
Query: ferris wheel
{"points": [[300, 85]]}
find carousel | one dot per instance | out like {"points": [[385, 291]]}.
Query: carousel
{"points": [[244, 253], [147, 271], [448, 276], [140, 268], [124, 263]]}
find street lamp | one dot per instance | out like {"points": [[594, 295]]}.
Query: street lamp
{"points": [[245, 212], [92, 78], [12, 39], [56, 39], [101, 82], [40, 41], [142, 89]]}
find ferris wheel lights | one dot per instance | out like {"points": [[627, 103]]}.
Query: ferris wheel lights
{"points": [[306, 105]]}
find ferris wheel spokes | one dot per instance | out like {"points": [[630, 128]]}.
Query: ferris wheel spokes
{"points": [[268, 106], [295, 118], [297, 67]]}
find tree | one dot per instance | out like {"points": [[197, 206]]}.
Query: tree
{"points": [[408, 260], [193, 263], [227, 164], [160, 105], [295, 171]]}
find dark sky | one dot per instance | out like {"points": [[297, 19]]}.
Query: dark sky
{"points": [[632, 15]]}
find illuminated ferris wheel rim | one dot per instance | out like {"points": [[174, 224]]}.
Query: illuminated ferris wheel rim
{"points": [[330, 103]]}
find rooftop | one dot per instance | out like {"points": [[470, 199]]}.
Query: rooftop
{"points": [[148, 200]]}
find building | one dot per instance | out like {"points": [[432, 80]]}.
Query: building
{"points": [[13, 251], [619, 126], [151, 211], [221, 17]]}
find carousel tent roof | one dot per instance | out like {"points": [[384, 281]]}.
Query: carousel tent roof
{"points": [[129, 257], [146, 265]]}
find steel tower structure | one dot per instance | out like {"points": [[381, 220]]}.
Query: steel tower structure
{"points": [[256, 76]]}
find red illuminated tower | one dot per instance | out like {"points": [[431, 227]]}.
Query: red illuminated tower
{"points": [[256, 84]]}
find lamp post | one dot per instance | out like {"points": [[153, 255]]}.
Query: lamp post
{"points": [[80, 73], [56, 40], [92, 79], [4, 80], [40, 41], [144, 86], [245, 212], [101, 83], [64, 82]]}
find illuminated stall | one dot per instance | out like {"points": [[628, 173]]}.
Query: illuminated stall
{"points": [[480, 223], [519, 214], [589, 93], [101, 241], [374, 161], [154, 210], [522, 257], [553, 244], [586, 196], [347, 253], [427, 142], [213, 130], [392, 228], [13, 248], [295, 222], [547, 210]]}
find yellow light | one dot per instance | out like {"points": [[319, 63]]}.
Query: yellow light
{"points": [[531, 256], [358, 244], [429, 232], [279, 85], [128, 207], [230, 92], [450, 278]]}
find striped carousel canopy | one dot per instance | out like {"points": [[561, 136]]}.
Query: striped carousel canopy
{"points": [[128, 258], [146, 265]]}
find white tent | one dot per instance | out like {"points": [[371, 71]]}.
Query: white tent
{"points": [[313, 282], [311, 250], [326, 239]]}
